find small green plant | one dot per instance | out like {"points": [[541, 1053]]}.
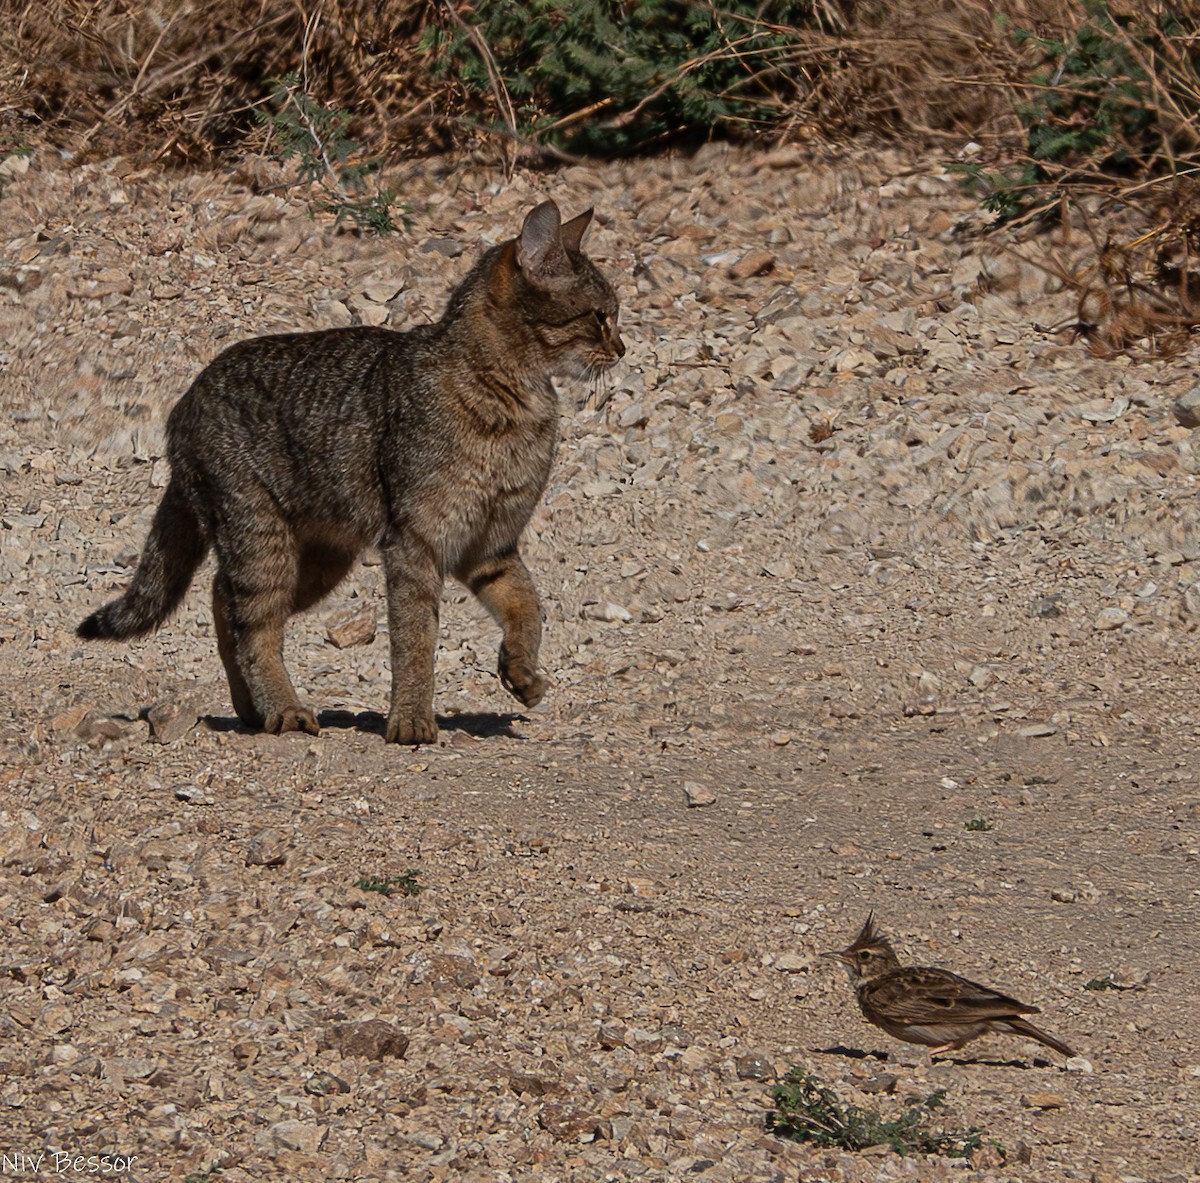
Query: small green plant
{"points": [[808, 1111], [978, 825], [315, 135], [386, 885], [616, 76]]}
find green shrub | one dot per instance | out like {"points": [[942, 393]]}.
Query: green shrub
{"points": [[1105, 102], [605, 77], [808, 1111]]}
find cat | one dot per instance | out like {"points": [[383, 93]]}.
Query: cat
{"points": [[290, 454]]}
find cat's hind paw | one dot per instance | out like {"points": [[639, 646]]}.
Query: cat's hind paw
{"points": [[411, 729]]}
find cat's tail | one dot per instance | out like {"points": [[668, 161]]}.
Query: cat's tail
{"points": [[175, 548]]}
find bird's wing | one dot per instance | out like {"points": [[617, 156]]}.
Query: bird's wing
{"points": [[915, 995]]}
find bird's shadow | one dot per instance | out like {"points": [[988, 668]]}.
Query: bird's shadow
{"points": [[855, 1053], [478, 724]]}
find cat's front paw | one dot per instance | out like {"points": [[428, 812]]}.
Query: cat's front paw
{"points": [[522, 681], [411, 728], [295, 718]]}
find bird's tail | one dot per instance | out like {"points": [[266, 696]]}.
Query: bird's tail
{"points": [[175, 548], [1026, 1028]]}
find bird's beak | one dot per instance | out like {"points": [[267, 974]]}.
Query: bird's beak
{"points": [[836, 955]]}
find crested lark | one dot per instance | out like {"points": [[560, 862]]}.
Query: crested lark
{"points": [[933, 1007]]}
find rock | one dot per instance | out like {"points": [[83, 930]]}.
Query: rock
{"points": [[1187, 408], [1037, 730], [1043, 1100], [353, 627], [172, 718], [268, 848], [303, 1136], [570, 1123], [373, 1039], [698, 795], [1110, 618], [754, 1066], [753, 262], [70, 718], [607, 611], [793, 963], [325, 1084], [445, 969]]}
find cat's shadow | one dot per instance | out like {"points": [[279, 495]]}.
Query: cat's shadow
{"points": [[477, 724]]}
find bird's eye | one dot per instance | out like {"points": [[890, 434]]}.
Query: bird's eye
{"points": [[864, 955], [601, 317]]}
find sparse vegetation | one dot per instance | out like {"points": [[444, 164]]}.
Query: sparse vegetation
{"points": [[387, 885], [1077, 114], [808, 1111], [979, 825], [315, 135]]}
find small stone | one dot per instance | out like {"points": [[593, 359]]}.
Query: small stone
{"points": [[325, 1084], [268, 848], [1043, 1100], [1109, 619], [884, 1083], [193, 795], [698, 795], [753, 1067], [354, 627], [451, 248], [568, 1123], [380, 291], [610, 1036], [1037, 730], [373, 1039], [171, 719], [792, 963], [70, 718], [638, 1039], [754, 262], [426, 1140], [607, 611], [1079, 1064], [1187, 408], [303, 1136]]}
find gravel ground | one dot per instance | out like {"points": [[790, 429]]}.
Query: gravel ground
{"points": [[863, 591]]}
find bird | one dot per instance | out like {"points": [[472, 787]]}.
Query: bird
{"points": [[929, 1006]]}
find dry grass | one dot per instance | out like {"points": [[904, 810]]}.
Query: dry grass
{"points": [[180, 81]]}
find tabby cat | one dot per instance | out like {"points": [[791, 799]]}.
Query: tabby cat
{"points": [[291, 454]]}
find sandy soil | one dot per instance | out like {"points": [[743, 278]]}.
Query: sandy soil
{"points": [[863, 591]]}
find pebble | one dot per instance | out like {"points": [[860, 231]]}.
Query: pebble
{"points": [[373, 1039], [698, 795], [1187, 408], [171, 719], [353, 627]]}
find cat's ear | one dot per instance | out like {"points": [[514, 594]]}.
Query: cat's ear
{"points": [[540, 253], [572, 231]]}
